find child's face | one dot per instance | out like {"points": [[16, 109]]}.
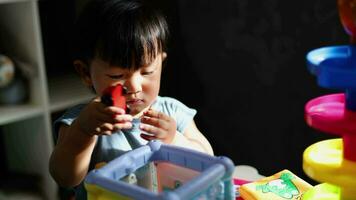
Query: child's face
{"points": [[142, 84]]}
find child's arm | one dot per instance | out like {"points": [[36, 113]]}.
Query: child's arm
{"points": [[163, 127], [70, 159], [193, 139], [71, 156]]}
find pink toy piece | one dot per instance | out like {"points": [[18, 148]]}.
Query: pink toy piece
{"points": [[328, 114]]}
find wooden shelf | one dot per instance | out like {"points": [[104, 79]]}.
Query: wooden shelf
{"points": [[66, 91], [26, 129], [15, 113], [14, 1]]}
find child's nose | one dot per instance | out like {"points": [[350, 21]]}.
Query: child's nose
{"points": [[133, 84]]}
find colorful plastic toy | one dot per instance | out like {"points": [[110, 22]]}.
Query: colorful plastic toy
{"points": [[334, 161], [179, 174], [114, 96]]}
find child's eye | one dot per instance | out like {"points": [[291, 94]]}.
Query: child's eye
{"points": [[116, 76], [147, 73]]}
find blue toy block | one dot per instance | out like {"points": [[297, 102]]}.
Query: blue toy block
{"points": [[212, 176]]}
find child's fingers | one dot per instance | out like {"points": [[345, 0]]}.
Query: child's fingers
{"points": [[105, 128], [156, 114], [147, 137], [157, 132], [101, 108], [114, 110], [107, 133], [123, 118], [101, 117], [110, 110], [155, 122], [97, 99], [125, 125], [111, 113], [107, 109]]}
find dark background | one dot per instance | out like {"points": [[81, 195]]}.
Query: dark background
{"points": [[240, 63]]}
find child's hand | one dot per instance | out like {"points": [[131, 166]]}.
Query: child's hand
{"points": [[98, 119], [158, 126]]}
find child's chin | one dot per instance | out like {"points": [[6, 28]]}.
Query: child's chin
{"points": [[135, 110]]}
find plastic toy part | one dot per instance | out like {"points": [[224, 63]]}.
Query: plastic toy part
{"points": [[210, 177], [114, 96], [347, 12], [323, 191], [332, 65], [331, 161], [335, 68], [328, 114], [334, 161], [323, 161]]}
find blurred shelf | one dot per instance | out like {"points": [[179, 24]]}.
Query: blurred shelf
{"points": [[15, 113], [27, 128], [66, 91], [14, 1]]}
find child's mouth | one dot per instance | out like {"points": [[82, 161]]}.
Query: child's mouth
{"points": [[134, 102]]}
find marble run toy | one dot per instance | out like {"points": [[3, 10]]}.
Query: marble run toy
{"points": [[334, 161], [178, 174]]}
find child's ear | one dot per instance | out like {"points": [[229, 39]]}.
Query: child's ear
{"points": [[83, 70], [164, 56]]}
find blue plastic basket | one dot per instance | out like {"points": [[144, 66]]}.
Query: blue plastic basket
{"points": [[213, 180]]}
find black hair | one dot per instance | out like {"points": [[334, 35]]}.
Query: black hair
{"points": [[125, 33]]}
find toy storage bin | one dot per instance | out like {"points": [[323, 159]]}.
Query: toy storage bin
{"points": [[211, 176]]}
